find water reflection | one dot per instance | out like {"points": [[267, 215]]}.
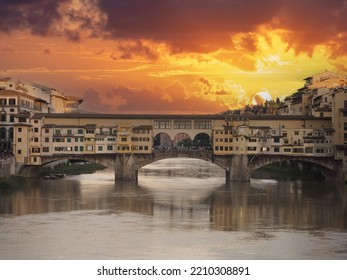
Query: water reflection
{"points": [[190, 195]]}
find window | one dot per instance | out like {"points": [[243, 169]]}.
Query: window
{"points": [[46, 130], [81, 148], [109, 148], [22, 119], [80, 131], [276, 150], [76, 148], [69, 132], [36, 129], [19, 140], [68, 140], [3, 117], [46, 139], [296, 132], [162, 124], [57, 132], [19, 129], [3, 101], [182, 124], [11, 118], [100, 148], [35, 150], [12, 101], [90, 131], [19, 152], [202, 125], [45, 149], [36, 139]]}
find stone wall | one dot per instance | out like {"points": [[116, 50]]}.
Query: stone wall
{"points": [[7, 167]]}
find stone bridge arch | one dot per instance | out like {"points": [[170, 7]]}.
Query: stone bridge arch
{"points": [[330, 167], [173, 153], [103, 159]]}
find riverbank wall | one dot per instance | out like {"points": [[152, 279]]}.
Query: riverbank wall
{"points": [[7, 167]]}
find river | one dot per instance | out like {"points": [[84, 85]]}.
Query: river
{"points": [[179, 209]]}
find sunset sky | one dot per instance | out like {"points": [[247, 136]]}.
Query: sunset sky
{"points": [[171, 56]]}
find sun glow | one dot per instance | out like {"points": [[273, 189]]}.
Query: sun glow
{"points": [[261, 97]]}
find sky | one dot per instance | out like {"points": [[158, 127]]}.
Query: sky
{"points": [[171, 56]]}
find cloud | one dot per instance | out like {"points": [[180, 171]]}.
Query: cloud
{"points": [[36, 15], [46, 51], [170, 99], [185, 26], [203, 25], [228, 93], [137, 49], [94, 103]]}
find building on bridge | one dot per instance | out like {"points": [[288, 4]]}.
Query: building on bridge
{"points": [[305, 136]]}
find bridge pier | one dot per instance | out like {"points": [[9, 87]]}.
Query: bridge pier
{"points": [[125, 167], [237, 169]]}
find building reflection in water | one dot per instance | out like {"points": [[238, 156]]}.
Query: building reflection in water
{"points": [[190, 202], [265, 204]]}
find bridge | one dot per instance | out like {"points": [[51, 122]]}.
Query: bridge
{"points": [[237, 167], [237, 143]]}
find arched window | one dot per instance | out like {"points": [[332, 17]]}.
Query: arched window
{"points": [[3, 116], [3, 134]]}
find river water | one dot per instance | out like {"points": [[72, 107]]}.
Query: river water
{"points": [[179, 209]]}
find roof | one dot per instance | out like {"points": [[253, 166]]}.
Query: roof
{"points": [[14, 92], [144, 127], [73, 98], [172, 117], [41, 100]]}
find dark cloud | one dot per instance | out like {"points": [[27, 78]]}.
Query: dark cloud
{"points": [[189, 25], [46, 51], [135, 49], [194, 25], [36, 15], [94, 103], [313, 22]]}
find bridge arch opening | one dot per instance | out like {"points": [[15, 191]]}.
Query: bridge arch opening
{"points": [[69, 166], [162, 140], [182, 140], [183, 167], [202, 141], [293, 170]]}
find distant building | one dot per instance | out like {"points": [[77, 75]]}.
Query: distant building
{"points": [[18, 99], [315, 98]]}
